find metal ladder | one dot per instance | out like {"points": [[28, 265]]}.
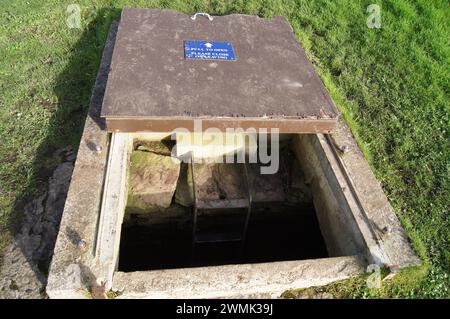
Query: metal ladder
{"points": [[217, 237]]}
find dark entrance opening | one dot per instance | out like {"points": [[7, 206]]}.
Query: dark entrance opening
{"points": [[273, 235], [234, 215]]}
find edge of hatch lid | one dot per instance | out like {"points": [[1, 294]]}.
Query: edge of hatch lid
{"points": [[302, 126]]}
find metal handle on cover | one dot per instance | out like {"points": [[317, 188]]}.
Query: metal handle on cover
{"points": [[204, 14]]}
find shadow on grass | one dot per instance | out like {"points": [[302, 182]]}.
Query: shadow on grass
{"points": [[35, 230]]}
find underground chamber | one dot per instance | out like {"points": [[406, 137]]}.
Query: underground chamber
{"points": [[207, 212]]}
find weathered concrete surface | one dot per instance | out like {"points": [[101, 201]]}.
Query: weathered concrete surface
{"points": [[26, 260], [152, 181], [264, 187], [113, 204], [354, 214], [236, 280], [219, 184], [299, 191], [153, 136], [378, 212], [72, 271], [211, 146], [338, 227]]}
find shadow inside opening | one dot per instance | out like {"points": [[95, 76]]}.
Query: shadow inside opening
{"points": [[274, 234]]}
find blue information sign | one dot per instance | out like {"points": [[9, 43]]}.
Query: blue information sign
{"points": [[204, 50]]}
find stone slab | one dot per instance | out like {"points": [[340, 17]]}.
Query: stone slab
{"points": [[152, 180]]}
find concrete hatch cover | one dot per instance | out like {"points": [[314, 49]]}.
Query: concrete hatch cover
{"points": [[232, 71]]}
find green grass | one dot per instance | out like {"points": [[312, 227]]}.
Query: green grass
{"points": [[391, 85]]}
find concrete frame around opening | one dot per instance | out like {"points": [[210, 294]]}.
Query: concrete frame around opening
{"points": [[355, 216]]}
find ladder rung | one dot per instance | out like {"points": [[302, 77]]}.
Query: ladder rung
{"points": [[223, 203], [203, 238]]}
